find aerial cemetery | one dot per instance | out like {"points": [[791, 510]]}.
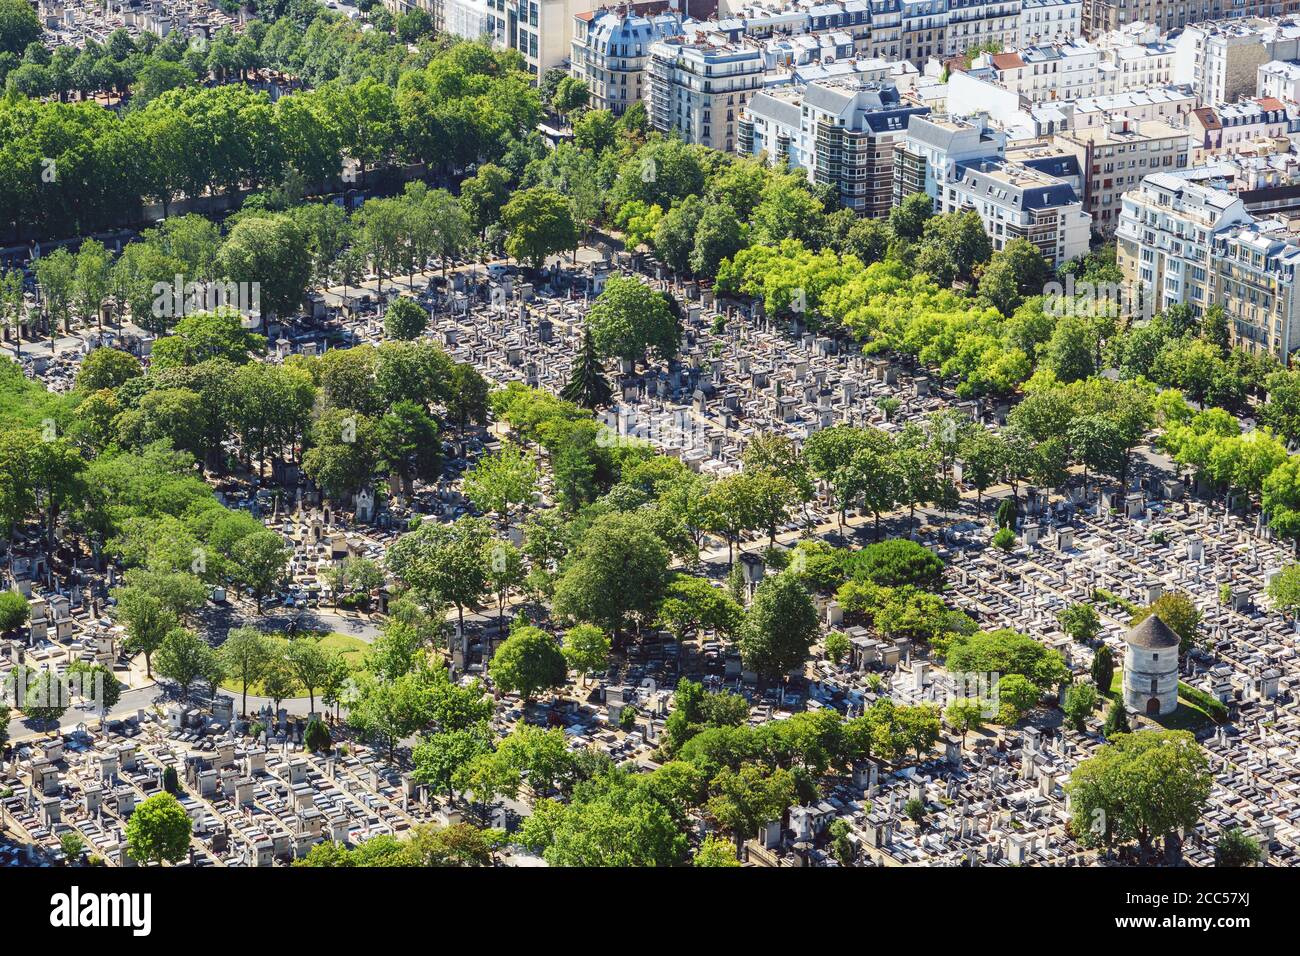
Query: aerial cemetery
{"points": [[431, 459]]}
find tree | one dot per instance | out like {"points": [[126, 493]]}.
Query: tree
{"points": [[629, 318], [1103, 668], [528, 662], [616, 575], [1014, 272], [1006, 652], [107, 368], [316, 736], [203, 336], [1017, 695], [586, 649], [587, 385], [1080, 702], [1081, 622], [915, 810], [73, 845], [715, 853], [147, 622], [571, 94], [484, 195], [14, 611], [270, 253], [44, 695], [691, 603], [91, 282], [19, 26], [246, 654], [56, 276], [405, 319], [539, 222], [964, 715], [749, 798], [1284, 590], [508, 477], [952, 245], [260, 559], [907, 220], [442, 758], [449, 561], [1116, 720], [779, 627], [898, 562], [718, 236], [391, 711], [184, 657], [158, 831], [312, 665], [1280, 499], [837, 647], [344, 453], [1070, 352], [1177, 610], [1234, 848], [1140, 787], [414, 25]]}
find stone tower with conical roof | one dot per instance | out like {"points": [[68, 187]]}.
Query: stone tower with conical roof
{"points": [[1151, 668]]}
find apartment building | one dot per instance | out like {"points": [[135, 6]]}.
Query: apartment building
{"points": [[700, 84], [541, 30], [1134, 66], [1163, 243], [1279, 80], [1048, 21], [1219, 131], [1116, 157], [611, 50], [470, 19], [841, 132], [1169, 103], [963, 165], [1048, 72], [1221, 61], [1254, 279], [1168, 15], [923, 29], [1185, 243], [974, 23]]}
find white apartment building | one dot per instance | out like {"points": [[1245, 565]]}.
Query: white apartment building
{"points": [[1048, 21], [1053, 71], [1222, 131], [841, 132], [1221, 60], [961, 165], [1169, 103], [1134, 66], [541, 30], [470, 19], [1181, 243], [1163, 239], [610, 52], [1115, 158], [1280, 80], [973, 23], [699, 86], [1254, 273]]}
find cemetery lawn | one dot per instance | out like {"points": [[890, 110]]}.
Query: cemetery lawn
{"points": [[352, 648], [1187, 716]]}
